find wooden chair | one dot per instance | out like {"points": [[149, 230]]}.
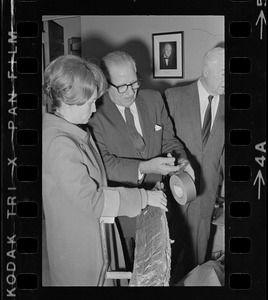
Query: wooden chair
{"points": [[106, 272]]}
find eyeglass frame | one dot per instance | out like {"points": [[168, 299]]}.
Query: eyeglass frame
{"points": [[127, 85]]}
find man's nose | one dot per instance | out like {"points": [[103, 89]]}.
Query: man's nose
{"points": [[130, 90]]}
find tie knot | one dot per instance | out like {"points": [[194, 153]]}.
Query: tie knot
{"points": [[210, 98]]}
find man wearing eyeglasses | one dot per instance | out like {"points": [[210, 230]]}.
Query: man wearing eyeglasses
{"points": [[134, 134]]}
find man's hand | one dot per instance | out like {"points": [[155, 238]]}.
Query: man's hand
{"points": [[159, 165], [185, 166]]}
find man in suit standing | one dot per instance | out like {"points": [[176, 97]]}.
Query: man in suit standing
{"points": [[134, 134], [198, 114]]}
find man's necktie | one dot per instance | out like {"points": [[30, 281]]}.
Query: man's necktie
{"points": [[207, 123], [136, 138]]}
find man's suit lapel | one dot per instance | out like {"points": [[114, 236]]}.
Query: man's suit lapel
{"points": [[195, 112], [144, 121], [219, 118], [116, 119], [120, 123]]}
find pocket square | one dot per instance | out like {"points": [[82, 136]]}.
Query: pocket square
{"points": [[157, 127]]}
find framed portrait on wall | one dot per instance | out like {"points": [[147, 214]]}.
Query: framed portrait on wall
{"points": [[168, 54]]}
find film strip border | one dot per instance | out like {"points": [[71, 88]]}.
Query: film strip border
{"points": [[21, 204], [245, 133], [21, 157]]}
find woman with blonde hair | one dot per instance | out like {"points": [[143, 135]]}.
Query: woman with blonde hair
{"points": [[75, 192]]}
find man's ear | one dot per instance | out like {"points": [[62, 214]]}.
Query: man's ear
{"points": [[205, 71]]}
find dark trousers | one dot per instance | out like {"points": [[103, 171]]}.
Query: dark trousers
{"points": [[176, 224]]}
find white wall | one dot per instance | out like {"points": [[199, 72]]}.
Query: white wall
{"points": [[102, 34]]}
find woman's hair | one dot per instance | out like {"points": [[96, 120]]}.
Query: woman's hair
{"points": [[116, 58], [72, 80]]}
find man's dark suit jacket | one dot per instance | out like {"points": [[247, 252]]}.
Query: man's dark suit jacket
{"points": [[184, 107], [120, 158], [171, 62]]}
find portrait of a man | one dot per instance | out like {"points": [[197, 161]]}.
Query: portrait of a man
{"points": [[168, 58]]}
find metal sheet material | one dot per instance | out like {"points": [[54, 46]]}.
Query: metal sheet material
{"points": [[153, 251]]}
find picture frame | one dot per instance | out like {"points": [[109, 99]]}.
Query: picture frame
{"points": [[168, 55]]}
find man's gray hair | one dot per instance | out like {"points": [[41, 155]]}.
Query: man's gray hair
{"points": [[213, 55], [116, 58]]}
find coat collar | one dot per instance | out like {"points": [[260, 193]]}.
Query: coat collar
{"points": [[52, 121]]}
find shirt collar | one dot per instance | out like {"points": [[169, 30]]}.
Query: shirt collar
{"points": [[202, 91], [203, 94], [132, 107]]}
